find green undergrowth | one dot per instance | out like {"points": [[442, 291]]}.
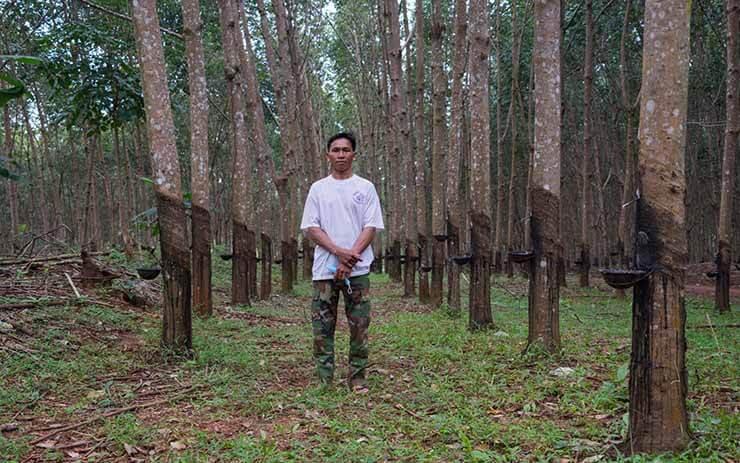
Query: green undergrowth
{"points": [[438, 392]]}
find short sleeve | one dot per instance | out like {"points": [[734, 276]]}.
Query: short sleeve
{"points": [[373, 216], [311, 211]]}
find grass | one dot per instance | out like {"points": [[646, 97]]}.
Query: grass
{"points": [[438, 391]]}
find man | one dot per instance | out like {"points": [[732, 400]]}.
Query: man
{"points": [[341, 216]]}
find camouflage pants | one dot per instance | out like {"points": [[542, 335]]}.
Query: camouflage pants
{"points": [[324, 321]]}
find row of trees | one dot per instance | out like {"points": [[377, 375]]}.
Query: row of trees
{"points": [[285, 85], [91, 84], [86, 117]]}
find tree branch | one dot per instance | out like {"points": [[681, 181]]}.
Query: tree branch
{"points": [[126, 18]]}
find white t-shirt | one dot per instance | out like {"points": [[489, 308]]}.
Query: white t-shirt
{"points": [[342, 208]]}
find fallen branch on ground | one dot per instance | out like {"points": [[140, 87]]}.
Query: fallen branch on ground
{"points": [[57, 302], [16, 261], [32, 304]]}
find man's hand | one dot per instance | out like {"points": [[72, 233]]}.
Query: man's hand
{"points": [[347, 257], [343, 272]]}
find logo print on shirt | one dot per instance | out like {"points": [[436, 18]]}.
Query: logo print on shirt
{"points": [[358, 197]]}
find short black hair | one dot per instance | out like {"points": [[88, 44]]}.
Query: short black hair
{"points": [[348, 135]]}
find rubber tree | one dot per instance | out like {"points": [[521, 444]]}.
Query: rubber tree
{"points": [[732, 129], [658, 420], [586, 174], [480, 172], [419, 159], [544, 288], [265, 165], [200, 211], [173, 239], [399, 127], [439, 171], [456, 140], [231, 39]]}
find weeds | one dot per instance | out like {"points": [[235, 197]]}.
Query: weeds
{"points": [[437, 391]]}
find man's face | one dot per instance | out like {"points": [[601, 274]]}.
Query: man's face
{"points": [[340, 155]]}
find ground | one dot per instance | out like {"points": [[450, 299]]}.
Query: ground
{"points": [[87, 382]]}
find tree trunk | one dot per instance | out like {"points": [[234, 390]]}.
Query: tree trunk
{"points": [[439, 174], [601, 236], [658, 420], [530, 167], [409, 175], [266, 273], [240, 283], [200, 212], [285, 267], [88, 223], [456, 141], [480, 172], [399, 133], [120, 187], [498, 225], [510, 217], [286, 102], [732, 129], [626, 211], [544, 287], [586, 205], [41, 181], [103, 229], [265, 164], [8, 146], [420, 163], [176, 317], [56, 201]]}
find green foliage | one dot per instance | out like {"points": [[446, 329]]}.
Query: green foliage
{"points": [[15, 88], [9, 168], [100, 91], [126, 429], [437, 391]]}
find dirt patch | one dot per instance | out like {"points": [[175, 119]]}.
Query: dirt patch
{"points": [[698, 283], [252, 318]]}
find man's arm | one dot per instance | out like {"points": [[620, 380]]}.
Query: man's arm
{"points": [[347, 257], [363, 241]]}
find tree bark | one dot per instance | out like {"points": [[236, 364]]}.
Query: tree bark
{"points": [[510, 217], [240, 282], [732, 129], [265, 163], [544, 287], [43, 211], [420, 162], [456, 140], [480, 172], [626, 211], [266, 271], [176, 316], [409, 192], [8, 146], [439, 174], [658, 420], [200, 212], [586, 179], [120, 187], [286, 100], [399, 133], [56, 187], [500, 135]]}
